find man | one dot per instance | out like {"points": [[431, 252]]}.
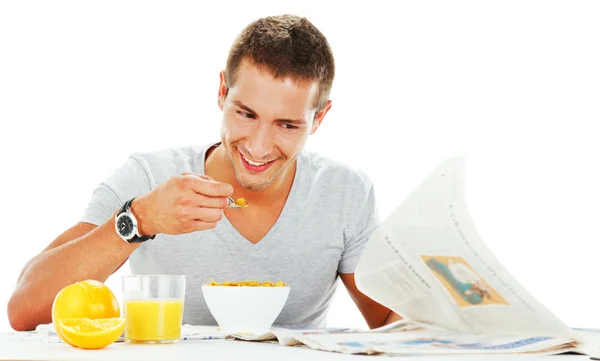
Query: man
{"points": [[308, 219]]}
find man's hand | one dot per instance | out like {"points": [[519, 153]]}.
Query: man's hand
{"points": [[183, 204]]}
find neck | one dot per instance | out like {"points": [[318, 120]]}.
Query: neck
{"points": [[219, 167]]}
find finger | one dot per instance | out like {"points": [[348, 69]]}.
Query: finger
{"points": [[203, 226], [198, 225], [203, 176], [200, 200], [210, 187], [205, 214]]}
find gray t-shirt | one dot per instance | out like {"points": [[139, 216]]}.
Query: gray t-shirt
{"points": [[327, 219]]}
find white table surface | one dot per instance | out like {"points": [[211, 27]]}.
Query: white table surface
{"points": [[15, 347]]}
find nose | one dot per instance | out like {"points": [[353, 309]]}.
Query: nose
{"points": [[261, 143]]}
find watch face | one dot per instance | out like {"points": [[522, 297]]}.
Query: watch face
{"points": [[125, 226]]}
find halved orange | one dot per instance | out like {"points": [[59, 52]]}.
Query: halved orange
{"points": [[90, 299], [91, 334]]}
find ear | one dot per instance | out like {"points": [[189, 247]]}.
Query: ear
{"points": [[222, 90], [319, 117]]}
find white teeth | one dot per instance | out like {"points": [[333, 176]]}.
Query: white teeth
{"points": [[253, 163]]}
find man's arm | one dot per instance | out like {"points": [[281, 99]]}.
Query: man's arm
{"points": [[91, 249], [182, 204], [375, 314], [84, 251]]}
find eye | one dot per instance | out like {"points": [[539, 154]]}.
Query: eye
{"points": [[245, 114], [289, 126]]}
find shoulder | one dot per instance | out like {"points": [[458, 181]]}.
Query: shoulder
{"points": [[163, 163], [172, 155], [336, 185], [336, 173]]}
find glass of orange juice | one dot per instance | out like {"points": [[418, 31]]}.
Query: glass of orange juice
{"points": [[153, 308]]}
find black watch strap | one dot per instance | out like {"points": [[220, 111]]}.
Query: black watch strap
{"points": [[126, 208]]}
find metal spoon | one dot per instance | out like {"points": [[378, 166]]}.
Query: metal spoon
{"points": [[233, 204]]}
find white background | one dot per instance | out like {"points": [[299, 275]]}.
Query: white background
{"points": [[514, 86]]}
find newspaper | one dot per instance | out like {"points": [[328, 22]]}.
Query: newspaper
{"points": [[427, 263], [411, 341]]}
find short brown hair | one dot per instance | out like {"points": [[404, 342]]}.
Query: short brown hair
{"points": [[285, 46]]}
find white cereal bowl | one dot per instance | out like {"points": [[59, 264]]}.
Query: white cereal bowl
{"points": [[243, 309]]}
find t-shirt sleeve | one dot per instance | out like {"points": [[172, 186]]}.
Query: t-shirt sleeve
{"points": [[363, 220], [128, 181]]}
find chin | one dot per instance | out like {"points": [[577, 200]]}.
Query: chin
{"points": [[252, 185], [255, 186]]}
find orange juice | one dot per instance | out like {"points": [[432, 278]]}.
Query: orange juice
{"points": [[153, 320]]}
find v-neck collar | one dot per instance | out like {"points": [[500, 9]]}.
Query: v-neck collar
{"points": [[287, 209]]}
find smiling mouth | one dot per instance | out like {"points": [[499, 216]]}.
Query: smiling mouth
{"points": [[251, 162], [255, 166]]}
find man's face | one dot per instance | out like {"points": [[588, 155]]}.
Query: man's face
{"points": [[266, 122]]}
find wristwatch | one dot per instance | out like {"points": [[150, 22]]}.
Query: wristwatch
{"points": [[126, 225]]}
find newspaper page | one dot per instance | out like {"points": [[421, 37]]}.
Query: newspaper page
{"points": [[427, 263], [433, 342]]}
